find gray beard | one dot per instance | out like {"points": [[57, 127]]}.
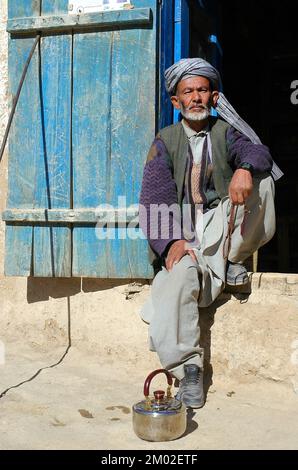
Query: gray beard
{"points": [[201, 116]]}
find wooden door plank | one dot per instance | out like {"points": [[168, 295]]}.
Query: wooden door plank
{"points": [[39, 168], [52, 244], [22, 8], [165, 108], [133, 130], [89, 258], [113, 128], [91, 143], [23, 144], [18, 249], [64, 23], [62, 216], [54, 6]]}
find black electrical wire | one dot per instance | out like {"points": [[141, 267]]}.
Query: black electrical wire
{"points": [[15, 102], [17, 96], [2, 394]]}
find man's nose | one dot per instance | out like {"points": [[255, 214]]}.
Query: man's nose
{"points": [[196, 97]]}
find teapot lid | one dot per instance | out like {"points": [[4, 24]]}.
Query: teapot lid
{"points": [[159, 405]]}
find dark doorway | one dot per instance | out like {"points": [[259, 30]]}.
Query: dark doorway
{"points": [[259, 40]]}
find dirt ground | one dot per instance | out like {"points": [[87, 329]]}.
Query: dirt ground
{"points": [[82, 403], [78, 364]]}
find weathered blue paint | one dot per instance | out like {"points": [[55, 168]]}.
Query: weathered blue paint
{"points": [[21, 8], [23, 147], [166, 60], [132, 132], [62, 23], [113, 126], [70, 215], [52, 245], [54, 6], [182, 31], [91, 142], [39, 166], [18, 249], [215, 59], [71, 152], [181, 49]]}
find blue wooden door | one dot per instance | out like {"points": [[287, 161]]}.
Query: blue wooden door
{"points": [[179, 40], [83, 126]]}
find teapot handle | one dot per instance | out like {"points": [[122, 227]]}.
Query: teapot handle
{"points": [[153, 374]]}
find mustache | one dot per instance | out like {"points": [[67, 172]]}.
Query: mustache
{"points": [[203, 106]]}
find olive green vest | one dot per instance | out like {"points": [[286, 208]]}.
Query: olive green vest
{"points": [[176, 142]]}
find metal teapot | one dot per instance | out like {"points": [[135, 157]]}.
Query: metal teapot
{"points": [[162, 418]]}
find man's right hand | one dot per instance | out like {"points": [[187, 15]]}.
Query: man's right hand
{"points": [[240, 187], [176, 252]]}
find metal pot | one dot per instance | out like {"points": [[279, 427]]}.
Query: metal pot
{"points": [[162, 418]]}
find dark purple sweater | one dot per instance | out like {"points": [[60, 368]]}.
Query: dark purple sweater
{"points": [[159, 187]]}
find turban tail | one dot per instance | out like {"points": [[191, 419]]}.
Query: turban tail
{"points": [[187, 68]]}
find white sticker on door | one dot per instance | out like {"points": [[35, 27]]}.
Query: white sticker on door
{"points": [[79, 7]]}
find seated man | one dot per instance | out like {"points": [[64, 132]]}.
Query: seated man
{"points": [[207, 203]]}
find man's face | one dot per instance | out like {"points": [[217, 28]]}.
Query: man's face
{"points": [[194, 98]]}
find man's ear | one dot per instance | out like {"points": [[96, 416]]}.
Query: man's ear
{"points": [[214, 98], [175, 102]]}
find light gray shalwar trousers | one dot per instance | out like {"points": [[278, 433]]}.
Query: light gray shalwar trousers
{"points": [[172, 310]]}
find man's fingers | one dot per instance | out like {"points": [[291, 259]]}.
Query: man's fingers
{"points": [[233, 197], [176, 252], [238, 198], [240, 187], [170, 263]]}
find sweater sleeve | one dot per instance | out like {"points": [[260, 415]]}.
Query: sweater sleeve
{"points": [[159, 212], [241, 150]]}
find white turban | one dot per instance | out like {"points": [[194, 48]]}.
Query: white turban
{"points": [[187, 68]]}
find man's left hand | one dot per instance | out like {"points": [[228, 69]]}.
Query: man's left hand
{"points": [[178, 249], [240, 187]]}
